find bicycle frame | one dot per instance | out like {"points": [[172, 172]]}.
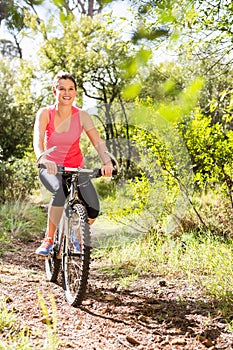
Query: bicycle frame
{"points": [[75, 262], [70, 201]]}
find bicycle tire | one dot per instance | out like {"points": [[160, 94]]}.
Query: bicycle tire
{"points": [[52, 263], [75, 267]]}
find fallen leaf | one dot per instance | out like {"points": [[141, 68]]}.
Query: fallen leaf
{"points": [[208, 343], [110, 297], [46, 320], [143, 318], [178, 341], [132, 340], [8, 299]]}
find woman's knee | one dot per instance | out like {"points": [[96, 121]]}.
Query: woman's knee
{"points": [[58, 198]]}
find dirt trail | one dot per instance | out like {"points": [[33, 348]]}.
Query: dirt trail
{"points": [[154, 313]]}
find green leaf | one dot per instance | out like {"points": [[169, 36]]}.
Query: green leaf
{"points": [[131, 91]]}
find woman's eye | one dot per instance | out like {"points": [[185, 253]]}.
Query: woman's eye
{"points": [[63, 89]]}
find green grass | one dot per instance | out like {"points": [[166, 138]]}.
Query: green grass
{"points": [[14, 337], [7, 319], [204, 261], [52, 340], [20, 220]]}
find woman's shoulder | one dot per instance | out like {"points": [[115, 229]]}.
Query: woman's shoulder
{"points": [[44, 112], [46, 109], [83, 113], [86, 120]]}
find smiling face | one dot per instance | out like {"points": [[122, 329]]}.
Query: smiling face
{"points": [[65, 91]]}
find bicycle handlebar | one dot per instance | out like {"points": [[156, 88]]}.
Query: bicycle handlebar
{"points": [[47, 151], [94, 173]]}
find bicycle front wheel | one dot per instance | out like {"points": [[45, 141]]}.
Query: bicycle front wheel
{"points": [[76, 263]]}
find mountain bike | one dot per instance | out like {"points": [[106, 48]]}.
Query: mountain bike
{"points": [[73, 262]]}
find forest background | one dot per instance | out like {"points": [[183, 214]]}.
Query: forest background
{"points": [[157, 80]]}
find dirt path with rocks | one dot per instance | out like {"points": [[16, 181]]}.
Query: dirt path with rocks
{"points": [[153, 313]]}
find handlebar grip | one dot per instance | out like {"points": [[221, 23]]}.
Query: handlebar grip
{"points": [[97, 173], [60, 168]]}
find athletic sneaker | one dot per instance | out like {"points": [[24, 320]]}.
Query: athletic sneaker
{"points": [[45, 247]]}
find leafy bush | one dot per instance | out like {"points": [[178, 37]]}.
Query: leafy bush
{"points": [[211, 150], [18, 178], [105, 188]]}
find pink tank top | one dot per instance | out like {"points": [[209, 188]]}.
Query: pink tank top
{"points": [[68, 152]]}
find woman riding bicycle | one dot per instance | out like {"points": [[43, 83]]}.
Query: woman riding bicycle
{"points": [[61, 125]]}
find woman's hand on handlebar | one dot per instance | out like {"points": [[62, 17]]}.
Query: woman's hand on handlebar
{"points": [[107, 169], [50, 166]]}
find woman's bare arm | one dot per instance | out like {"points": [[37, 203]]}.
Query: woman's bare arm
{"points": [[97, 142], [40, 124]]}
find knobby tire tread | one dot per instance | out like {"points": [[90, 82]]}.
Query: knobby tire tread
{"points": [[76, 298]]}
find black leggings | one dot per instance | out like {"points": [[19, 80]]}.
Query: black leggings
{"points": [[57, 185]]}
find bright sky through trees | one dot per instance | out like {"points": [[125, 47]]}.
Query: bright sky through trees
{"points": [[30, 44]]}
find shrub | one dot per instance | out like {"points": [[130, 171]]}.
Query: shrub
{"points": [[18, 178]]}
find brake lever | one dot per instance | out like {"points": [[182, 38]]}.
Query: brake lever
{"points": [[47, 151]]}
